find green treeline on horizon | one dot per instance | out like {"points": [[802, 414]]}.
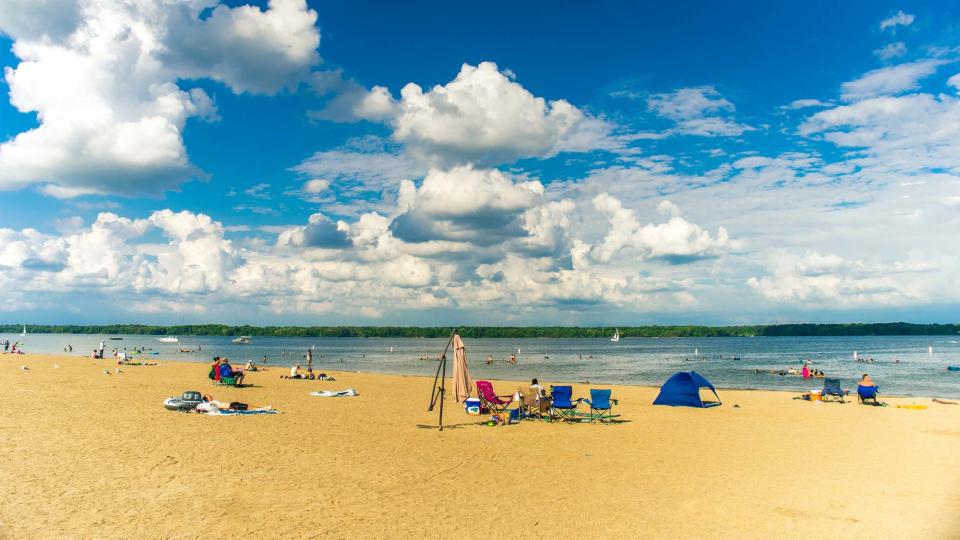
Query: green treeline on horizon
{"points": [[851, 329]]}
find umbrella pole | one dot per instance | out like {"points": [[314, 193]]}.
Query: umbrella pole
{"points": [[443, 363], [443, 359]]}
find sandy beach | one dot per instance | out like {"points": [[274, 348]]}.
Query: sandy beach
{"points": [[84, 454]]}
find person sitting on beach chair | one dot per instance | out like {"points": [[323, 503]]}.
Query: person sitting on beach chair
{"points": [[867, 390], [228, 375]]}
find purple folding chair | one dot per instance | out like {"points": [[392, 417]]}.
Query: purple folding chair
{"points": [[490, 400]]}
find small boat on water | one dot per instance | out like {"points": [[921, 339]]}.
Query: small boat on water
{"points": [[24, 331], [616, 336], [116, 339], [243, 340], [169, 340]]}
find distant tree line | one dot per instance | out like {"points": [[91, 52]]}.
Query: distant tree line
{"points": [[854, 329]]}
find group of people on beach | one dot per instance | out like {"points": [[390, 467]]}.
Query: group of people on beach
{"points": [[14, 349], [222, 369]]}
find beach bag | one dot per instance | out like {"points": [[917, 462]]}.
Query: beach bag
{"points": [[237, 406], [472, 406]]}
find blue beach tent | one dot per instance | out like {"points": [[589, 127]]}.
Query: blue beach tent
{"points": [[683, 389]]}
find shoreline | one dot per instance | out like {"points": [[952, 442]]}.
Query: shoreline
{"points": [[332, 367]]}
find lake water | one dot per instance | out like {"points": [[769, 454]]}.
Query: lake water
{"points": [[644, 361]]}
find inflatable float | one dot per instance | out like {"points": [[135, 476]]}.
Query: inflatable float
{"points": [[186, 402], [953, 368]]}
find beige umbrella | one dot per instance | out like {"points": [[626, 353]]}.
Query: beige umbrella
{"points": [[462, 383]]}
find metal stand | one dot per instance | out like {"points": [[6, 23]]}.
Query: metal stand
{"points": [[438, 392]]}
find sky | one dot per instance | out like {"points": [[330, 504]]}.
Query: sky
{"points": [[504, 163]]}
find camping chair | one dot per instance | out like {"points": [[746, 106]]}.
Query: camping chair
{"points": [[832, 391], [868, 393], [563, 407], [532, 405], [490, 400], [601, 406]]}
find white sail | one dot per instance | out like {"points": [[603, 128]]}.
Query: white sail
{"points": [[24, 331], [930, 349], [696, 351], [616, 336]]}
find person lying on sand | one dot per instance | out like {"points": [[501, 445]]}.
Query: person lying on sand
{"points": [[209, 405]]}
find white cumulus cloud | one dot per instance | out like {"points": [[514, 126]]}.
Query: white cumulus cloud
{"points": [[105, 84]]}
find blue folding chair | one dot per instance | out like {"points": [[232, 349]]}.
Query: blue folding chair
{"points": [[601, 406], [832, 391], [868, 393], [562, 406]]}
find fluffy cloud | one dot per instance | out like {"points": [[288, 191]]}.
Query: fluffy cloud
{"points": [[890, 80], [482, 116], [247, 49], [464, 204], [103, 83], [817, 279], [356, 176], [111, 255], [676, 241], [479, 116], [698, 111], [320, 231]]}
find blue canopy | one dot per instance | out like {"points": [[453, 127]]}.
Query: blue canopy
{"points": [[683, 389]]}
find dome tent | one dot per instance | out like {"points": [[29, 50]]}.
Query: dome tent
{"points": [[683, 389]]}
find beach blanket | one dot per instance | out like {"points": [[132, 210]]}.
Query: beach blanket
{"points": [[262, 410], [349, 392]]}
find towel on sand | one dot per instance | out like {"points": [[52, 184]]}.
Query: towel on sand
{"points": [[349, 392], [263, 410]]}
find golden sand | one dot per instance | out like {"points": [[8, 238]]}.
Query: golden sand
{"points": [[84, 454]]}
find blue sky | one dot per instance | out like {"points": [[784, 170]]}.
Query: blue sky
{"points": [[556, 163]]}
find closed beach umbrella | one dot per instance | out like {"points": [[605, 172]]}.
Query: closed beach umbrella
{"points": [[461, 374]]}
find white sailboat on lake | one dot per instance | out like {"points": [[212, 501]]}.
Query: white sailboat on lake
{"points": [[24, 333], [616, 336]]}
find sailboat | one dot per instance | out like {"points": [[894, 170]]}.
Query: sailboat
{"points": [[616, 336], [24, 333], [929, 349], [169, 340]]}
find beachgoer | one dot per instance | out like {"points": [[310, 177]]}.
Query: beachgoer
{"points": [[215, 368], [513, 358], [489, 359], [866, 381], [805, 371], [295, 373], [250, 366], [535, 384], [227, 371]]}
